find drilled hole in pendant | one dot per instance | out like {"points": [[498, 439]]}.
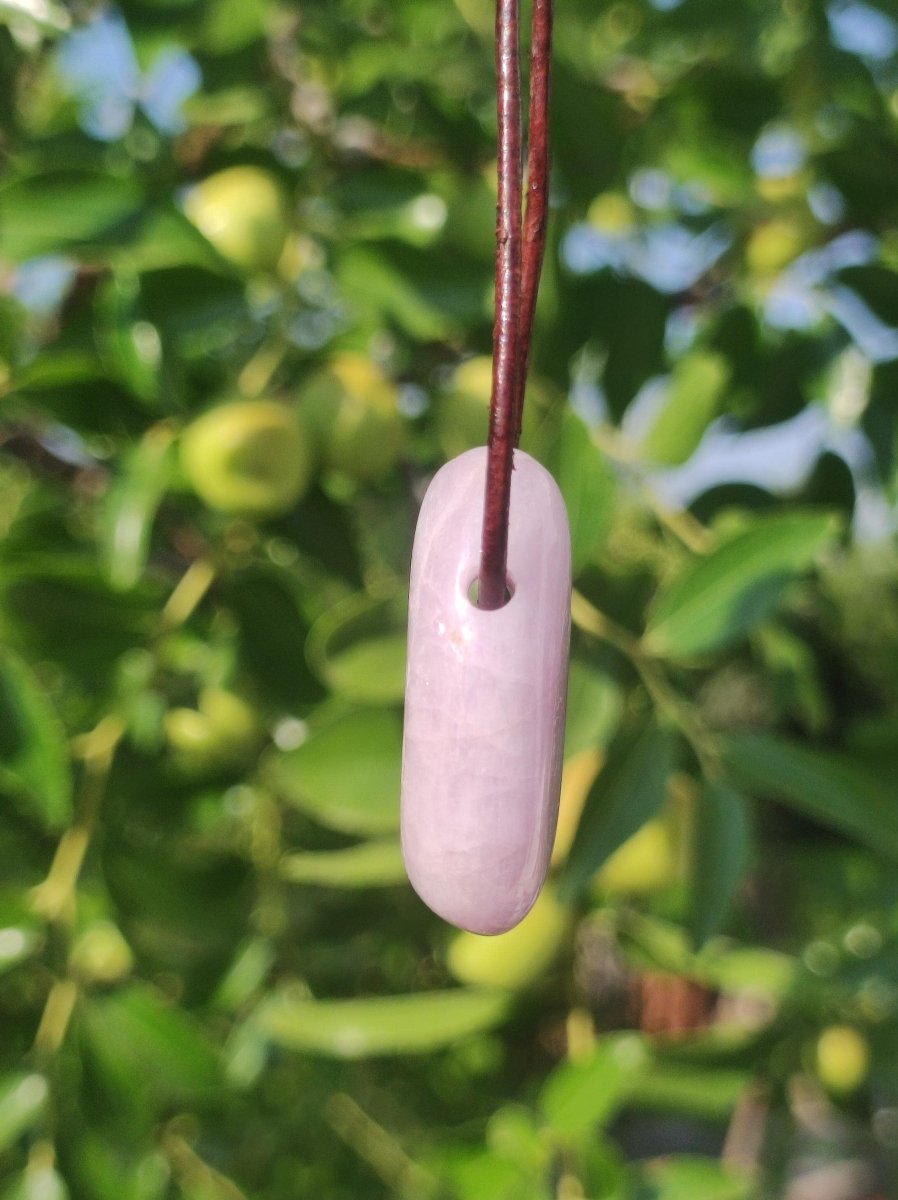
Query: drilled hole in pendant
{"points": [[474, 591]]}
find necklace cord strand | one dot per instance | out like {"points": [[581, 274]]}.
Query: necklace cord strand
{"points": [[537, 214], [520, 247]]}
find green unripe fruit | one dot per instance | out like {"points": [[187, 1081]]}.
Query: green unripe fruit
{"points": [[645, 863], [231, 719], [843, 1059], [101, 954], [463, 414], [352, 407], [191, 739], [243, 214], [249, 457], [515, 959], [220, 733]]}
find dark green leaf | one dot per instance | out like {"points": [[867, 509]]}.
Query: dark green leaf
{"points": [[49, 214], [831, 788], [34, 758], [628, 792], [149, 1050], [720, 856]]}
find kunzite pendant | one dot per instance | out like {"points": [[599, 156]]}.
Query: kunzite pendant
{"points": [[485, 699]]}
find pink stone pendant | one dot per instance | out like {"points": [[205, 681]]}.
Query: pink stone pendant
{"points": [[485, 699]]}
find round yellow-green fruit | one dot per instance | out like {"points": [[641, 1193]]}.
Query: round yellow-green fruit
{"points": [[580, 773], [512, 960], [248, 457], [243, 213], [645, 863], [463, 413], [353, 408], [773, 245], [101, 954], [222, 730], [843, 1059], [231, 718]]}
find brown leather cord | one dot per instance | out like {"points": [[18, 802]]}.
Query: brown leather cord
{"points": [[520, 248]]}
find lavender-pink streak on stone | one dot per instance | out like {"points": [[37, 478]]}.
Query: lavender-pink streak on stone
{"points": [[485, 699]]}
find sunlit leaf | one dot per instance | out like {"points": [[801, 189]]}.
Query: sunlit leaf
{"points": [[371, 864], [695, 395], [687, 1177], [359, 649], [588, 485], [594, 708], [580, 1096], [413, 1024], [346, 776], [132, 503], [676, 1086], [23, 1099], [718, 599]]}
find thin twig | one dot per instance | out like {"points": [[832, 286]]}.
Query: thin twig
{"points": [[667, 701], [506, 329]]}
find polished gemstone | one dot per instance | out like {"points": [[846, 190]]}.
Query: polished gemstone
{"points": [[485, 699]]}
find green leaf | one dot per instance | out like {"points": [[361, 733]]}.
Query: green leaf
{"points": [[595, 706], [831, 788], [252, 962], [375, 283], [372, 864], [686, 1177], [413, 1024], [273, 633], [684, 1088], [166, 238], [748, 970], [696, 392], [579, 1096], [131, 506], [346, 776], [628, 792], [50, 19], [720, 598], [49, 214], [23, 1099], [39, 1183], [34, 758], [148, 1050], [587, 484], [359, 649], [720, 854], [129, 347]]}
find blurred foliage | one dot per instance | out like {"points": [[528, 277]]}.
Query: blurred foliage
{"points": [[245, 291]]}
